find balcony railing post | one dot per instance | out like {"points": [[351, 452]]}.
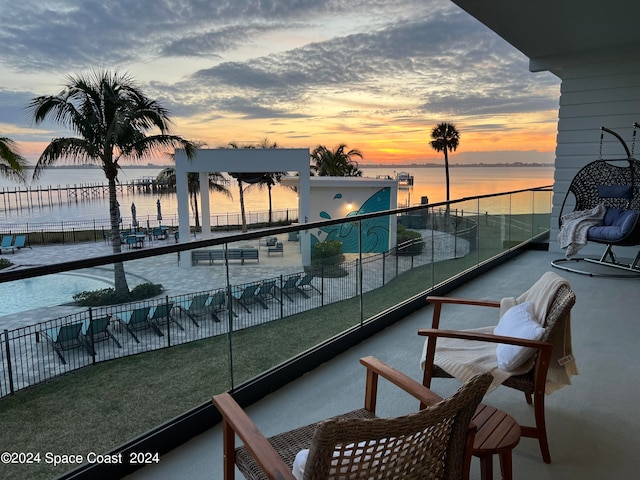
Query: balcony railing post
{"points": [[9, 366]]}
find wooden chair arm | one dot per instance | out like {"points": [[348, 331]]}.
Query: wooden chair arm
{"points": [[238, 422], [485, 337], [377, 368], [463, 301]]}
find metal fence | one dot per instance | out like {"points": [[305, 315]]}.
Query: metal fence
{"points": [[37, 353], [74, 231]]}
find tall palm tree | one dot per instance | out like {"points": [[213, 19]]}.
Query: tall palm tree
{"points": [[12, 164], [269, 179], [244, 177], [336, 163], [111, 117], [167, 176], [445, 139]]}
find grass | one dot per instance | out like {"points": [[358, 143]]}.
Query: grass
{"points": [[100, 407]]}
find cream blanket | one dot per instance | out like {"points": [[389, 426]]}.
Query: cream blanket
{"points": [[463, 359], [575, 226]]}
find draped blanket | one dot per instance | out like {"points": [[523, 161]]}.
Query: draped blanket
{"points": [[575, 225], [463, 359]]}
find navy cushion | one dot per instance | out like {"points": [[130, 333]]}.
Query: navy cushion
{"points": [[616, 225], [615, 191]]}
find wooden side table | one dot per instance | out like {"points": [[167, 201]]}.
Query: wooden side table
{"points": [[498, 433]]}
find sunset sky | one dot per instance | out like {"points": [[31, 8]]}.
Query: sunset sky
{"points": [[376, 75]]}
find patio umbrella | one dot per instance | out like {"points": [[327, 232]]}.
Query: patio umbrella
{"points": [[134, 220], [159, 210]]}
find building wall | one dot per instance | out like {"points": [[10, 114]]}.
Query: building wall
{"points": [[347, 201], [591, 96]]}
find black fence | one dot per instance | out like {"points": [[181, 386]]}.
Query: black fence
{"points": [[37, 353]]}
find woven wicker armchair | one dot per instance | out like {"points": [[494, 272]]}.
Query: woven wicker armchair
{"points": [[533, 382], [434, 443]]}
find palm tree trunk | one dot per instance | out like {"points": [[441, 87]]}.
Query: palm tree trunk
{"points": [[270, 205], [195, 210], [120, 279], [446, 172], [244, 217]]}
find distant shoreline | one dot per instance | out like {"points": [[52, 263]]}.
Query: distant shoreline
{"points": [[404, 166], [453, 165]]}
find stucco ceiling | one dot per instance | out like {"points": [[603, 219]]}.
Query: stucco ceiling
{"points": [[551, 31]]}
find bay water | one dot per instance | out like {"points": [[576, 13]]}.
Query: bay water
{"points": [[465, 181]]}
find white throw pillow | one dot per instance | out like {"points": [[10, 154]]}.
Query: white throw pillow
{"points": [[517, 322]]}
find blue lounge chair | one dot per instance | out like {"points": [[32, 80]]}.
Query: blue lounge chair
{"points": [[7, 243], [136, 320], [218, 303], [198, 306], [64, 338], [248, 296], [290, 286], [20, 242], [306, 282], [161, 314], [265, 291], [96, 330]]}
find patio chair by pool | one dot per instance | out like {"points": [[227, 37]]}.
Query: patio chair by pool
{"points": [[306, 282], [21, 242], [137, 320], [290, 287], [7, 243], [218, 303], [198, 306], [161, 315], [64, 338], [266, 290], [96, 330], [248, 296], [435, 442]]}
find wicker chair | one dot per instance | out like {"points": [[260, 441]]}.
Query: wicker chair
{"points": [[435, 442], [533, 382]]}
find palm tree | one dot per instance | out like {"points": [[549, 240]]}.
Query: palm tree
{"points": [[111, 117], [216, 183], [244, 177], [335, 163], [445, 139], [269, 179], [12, 164]]}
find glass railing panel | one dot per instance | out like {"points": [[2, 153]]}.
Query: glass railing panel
{"points": [[521, 219], [494, 226], [542, 205], [402, 266]]}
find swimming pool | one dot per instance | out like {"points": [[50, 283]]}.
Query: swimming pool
{"points": [[46, 291]]}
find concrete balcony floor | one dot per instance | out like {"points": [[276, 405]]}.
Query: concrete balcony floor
{"points": [[592, 424]]}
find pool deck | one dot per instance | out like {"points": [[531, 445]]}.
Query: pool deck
{"points": [[175, 278]]}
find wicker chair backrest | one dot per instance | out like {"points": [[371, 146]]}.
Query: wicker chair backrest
{"points": [[429, 444]]}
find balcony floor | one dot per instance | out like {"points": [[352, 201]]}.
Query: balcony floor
{"points": [[592, 424]]}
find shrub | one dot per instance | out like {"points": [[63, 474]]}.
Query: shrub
{"points": [[4, 263], [327, 253], [108, 296], [410, 242]]}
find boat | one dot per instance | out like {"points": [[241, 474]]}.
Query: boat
{"points": [[405, 179]]}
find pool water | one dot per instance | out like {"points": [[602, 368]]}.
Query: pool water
{"points": [[46, 291]]}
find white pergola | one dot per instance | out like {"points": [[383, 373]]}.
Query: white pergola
{"points": [[244, 160]]}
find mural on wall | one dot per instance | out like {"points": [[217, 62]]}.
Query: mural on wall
{"points": [[375, 231]]}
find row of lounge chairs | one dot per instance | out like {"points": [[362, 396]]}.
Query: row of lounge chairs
{"points": [[87, 332], [9, 242]]}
